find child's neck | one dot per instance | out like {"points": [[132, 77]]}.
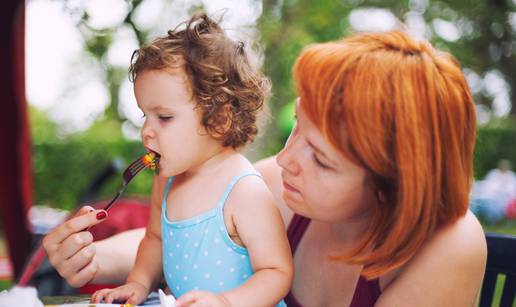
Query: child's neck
{"points": [[213, 164]]}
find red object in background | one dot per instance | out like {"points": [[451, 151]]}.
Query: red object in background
{"points": [[126, 213], [510, 210], [15, 148]]}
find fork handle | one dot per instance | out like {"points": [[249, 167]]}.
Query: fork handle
{"points": [[110, 204]]}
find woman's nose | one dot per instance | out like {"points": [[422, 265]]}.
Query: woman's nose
{"points": [[286, 158]]}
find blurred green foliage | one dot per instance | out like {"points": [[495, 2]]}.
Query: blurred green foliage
{"points": [[64, 170], [492, 145]]}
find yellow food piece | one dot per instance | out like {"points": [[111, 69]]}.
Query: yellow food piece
{"points": [[150, 160]]}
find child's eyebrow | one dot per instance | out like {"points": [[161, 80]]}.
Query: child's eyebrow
{"points": [[161, 109]]}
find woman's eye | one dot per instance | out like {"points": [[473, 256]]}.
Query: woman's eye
{"points": [[319, 163]]}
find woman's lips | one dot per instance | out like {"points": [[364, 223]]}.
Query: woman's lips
{"points": [[288, 187]]}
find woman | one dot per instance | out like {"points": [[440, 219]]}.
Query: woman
{"points": [[373, 182]]}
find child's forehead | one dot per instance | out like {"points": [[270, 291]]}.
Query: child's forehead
{"points": [[162, 88]]}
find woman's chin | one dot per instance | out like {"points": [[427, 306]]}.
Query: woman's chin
{"points": [[293, 200]]}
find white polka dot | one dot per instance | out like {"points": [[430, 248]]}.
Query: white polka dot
{"points": [[195, 266], [196, 288], [231, 270], [169, 275], [185, 256], [170, 254], [207, 275], [243, 256], [197, 220], [196, 244], [205, 253], [229, 249], [185, 277], [177, 287], [217, 240], [221, 228], [187, 235], [244, 276], [171, 233], [178, 245], [221, 283], [206, 231], [177, 267], [218, 262]]}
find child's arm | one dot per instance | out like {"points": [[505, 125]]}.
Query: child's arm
{"points": [[147, 268], [261, 229]]}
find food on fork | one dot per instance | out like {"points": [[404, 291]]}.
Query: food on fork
{"points": [[151, 160]]}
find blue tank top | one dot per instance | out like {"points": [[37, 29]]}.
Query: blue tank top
{"points": [[198, 253]]}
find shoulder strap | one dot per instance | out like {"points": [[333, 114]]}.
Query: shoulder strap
{"points": [[232, 184], [167, 188], [296, 229]]}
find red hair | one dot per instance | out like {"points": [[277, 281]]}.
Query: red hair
{"points": [[403, 111]]}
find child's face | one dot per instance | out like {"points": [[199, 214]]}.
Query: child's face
{"points": [[172, 127]]}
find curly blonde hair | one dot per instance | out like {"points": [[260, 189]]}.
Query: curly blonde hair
{"points": [[228, 88]]}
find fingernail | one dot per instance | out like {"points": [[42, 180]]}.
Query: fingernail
{"points": [[91, 210], [101, 215]]}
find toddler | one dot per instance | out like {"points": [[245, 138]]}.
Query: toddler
{"points": [[214, 231]]}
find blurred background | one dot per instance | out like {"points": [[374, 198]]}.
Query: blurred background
{"points": [[84, 119]]}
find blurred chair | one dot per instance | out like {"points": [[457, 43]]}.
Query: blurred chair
{"points": [[501, 259]]}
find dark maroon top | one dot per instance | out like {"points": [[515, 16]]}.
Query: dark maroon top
{"points": [[366, 292]]}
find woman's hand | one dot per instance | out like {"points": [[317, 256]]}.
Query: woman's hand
{"points": [[131, 293], [202, 298], [70, 249]]}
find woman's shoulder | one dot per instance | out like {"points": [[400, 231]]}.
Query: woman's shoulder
{"points": [[449, 266]]}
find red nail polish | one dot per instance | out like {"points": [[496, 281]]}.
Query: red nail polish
{"points": [[101, 215]]}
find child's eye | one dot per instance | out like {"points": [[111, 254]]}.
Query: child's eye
{"points": [[319, 163], [165, 118]]}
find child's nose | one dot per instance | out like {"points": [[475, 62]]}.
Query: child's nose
{"points": [[147, 133]]}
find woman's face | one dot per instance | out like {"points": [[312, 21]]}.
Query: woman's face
{"points": [[318, 181]]}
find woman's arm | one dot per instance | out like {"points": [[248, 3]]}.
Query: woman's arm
{"points": [[114, 262], [447, 271]]}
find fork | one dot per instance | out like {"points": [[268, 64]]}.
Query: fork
{"points": [[150, 160]]}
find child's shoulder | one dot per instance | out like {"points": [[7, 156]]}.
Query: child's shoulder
{"points": [[250, 190]]}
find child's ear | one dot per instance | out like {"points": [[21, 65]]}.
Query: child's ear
{"points": [[223, 122]]}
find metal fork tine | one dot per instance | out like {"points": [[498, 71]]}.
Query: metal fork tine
{"points": [[133, 172], [136, 163], [136, 168]]}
